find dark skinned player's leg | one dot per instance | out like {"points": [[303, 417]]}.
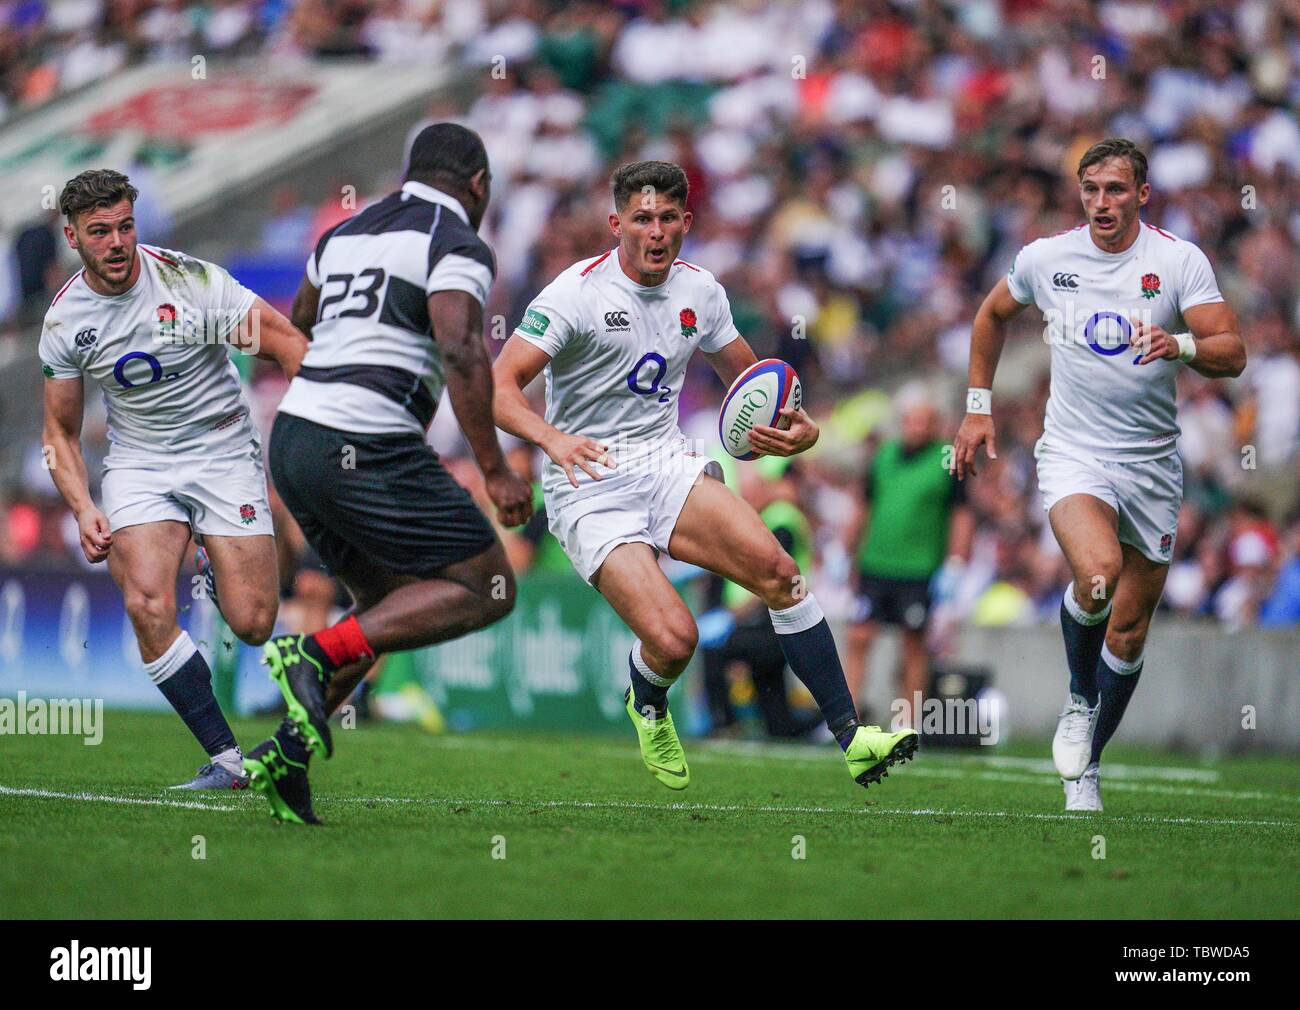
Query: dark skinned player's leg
{"points": [[397, 611]]}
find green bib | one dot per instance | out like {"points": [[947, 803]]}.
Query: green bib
{"points": [[910, 506]]}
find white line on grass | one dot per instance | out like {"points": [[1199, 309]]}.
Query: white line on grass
{"points": [[1133, 787], [670, 807], [770, 809], [48, 794], [931, 765], [1043, 765]]}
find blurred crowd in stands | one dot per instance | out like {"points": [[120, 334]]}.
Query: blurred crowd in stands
{"points": [[862, 172]]}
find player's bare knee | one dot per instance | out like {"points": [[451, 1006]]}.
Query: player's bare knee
{"points": [[781, 585], [674, 643], [497, 593], [1126, 635], [499, 606], [148, 609], [1095, 581], [254, 627]]}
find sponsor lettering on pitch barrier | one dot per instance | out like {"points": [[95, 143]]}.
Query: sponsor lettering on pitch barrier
{"points": [[23, 716]]}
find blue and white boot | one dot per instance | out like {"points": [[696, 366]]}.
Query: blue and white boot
{"points": [[216, 776]]}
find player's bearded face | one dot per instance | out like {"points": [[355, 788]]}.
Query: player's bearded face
{"points": [[1111, 198], [105, 238], [651, 229]]}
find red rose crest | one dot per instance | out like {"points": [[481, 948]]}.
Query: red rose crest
{"points": [[166, 313], [247, 514], [1150, 285], [687, 319]]}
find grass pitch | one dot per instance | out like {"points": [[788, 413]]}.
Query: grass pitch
{"points": [[414, 823]]}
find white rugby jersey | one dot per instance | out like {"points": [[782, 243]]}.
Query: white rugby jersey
{"points": [[1101, 401], [373, 365], [619, 352], [159, 352]]}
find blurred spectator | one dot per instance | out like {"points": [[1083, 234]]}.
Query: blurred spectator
{"points": [[862, 171], [1282, 607], [37, 250], [914, 532]]}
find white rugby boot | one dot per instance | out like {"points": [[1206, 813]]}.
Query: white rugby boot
{"points": [[1072, 745], [1084, 793]]}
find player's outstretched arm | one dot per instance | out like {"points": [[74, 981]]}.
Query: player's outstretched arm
{"points": [[457, 321], [1216, 347], [268, 335], [987, 334], [516, 366], [62, 442]]}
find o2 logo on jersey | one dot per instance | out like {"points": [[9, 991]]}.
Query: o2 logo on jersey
{"points": [[1108, 333], [634, 377], [145, 359]]}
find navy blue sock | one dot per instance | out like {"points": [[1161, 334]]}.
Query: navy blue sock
{"points": [[189, 691], [809, 648], [1083, 644], [649, 695], [1116, 690]]}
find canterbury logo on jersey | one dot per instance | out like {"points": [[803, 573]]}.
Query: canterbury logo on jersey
{"points": [[617, 320], [1069, 282], [87, 337]]}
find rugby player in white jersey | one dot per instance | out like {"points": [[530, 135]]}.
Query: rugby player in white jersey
{"points": [[1126, 305], [153, 328], [614, 335]]}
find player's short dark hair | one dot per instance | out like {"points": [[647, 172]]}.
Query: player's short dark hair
{"points": [[446, 153], [95, 187], [1115, 147], [665, 178]]}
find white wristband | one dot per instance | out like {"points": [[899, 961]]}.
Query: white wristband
{"points": [[979, 401], [1186, 346]]}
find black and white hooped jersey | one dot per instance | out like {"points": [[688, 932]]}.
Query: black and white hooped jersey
{"points": [[374, 365]]}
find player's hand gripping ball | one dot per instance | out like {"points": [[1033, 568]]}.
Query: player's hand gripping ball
{"points": [[756, 399]]}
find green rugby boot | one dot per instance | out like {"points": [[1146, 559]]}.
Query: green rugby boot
{"points": [[872, 752], [282, 781], [661, 750], [302, 682]]}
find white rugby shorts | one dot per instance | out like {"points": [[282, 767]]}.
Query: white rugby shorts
{"points": [[1146, 495], [222, 495], [640, 507]]}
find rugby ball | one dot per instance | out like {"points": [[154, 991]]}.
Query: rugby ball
{"points": [[757, 397]]}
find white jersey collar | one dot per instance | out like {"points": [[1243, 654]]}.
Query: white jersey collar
{"points": [[423, 192]]}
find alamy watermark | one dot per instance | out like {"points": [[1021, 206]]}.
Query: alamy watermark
{"points": [[182, 326], [75, 963], [83, 717], [948, 716]]}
